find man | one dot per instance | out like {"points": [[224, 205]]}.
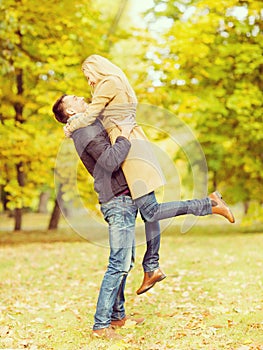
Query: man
{"points": [[103, 161]]}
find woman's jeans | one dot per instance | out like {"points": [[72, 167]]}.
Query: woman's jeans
{"points": [[120, 213], [151, 212]]}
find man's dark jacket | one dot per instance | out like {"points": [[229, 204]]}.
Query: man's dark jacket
{"points": [[102, 160]]}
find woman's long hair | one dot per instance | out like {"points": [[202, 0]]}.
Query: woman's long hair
{"points": [[101, 67]]}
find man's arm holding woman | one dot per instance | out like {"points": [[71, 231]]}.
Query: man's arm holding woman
{"points": [[104, 93]]}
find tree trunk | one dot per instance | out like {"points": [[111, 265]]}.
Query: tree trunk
{"points": [[43, 201], [4, 199], [116, 20], [214, 180], [55, 216], [18, 106], [21, 182], [18, 219], [246, 207]]}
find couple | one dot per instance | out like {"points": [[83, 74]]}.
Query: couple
{"points": [[113, 147]]}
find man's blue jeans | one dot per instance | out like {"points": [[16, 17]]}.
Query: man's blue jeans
{"points": [[152, 211], [120, 213]]}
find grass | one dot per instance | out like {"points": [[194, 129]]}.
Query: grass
{"points": [[211, 299]]}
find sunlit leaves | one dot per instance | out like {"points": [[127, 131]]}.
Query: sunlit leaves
{"points": [[214, 73], [42, 47]]}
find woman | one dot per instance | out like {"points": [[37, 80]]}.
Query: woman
{"points": [[114, 101]]}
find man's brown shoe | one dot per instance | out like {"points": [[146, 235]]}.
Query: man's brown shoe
{"points": [[108, 333], [121, 323], [150, 278], [220, 207]]}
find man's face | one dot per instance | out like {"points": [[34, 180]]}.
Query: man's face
{"points": [[74, 104]]}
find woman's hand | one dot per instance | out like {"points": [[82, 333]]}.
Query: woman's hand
{"points": [[126, 126]]}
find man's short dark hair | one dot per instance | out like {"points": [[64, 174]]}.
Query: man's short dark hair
{"points": [[59, 110]]}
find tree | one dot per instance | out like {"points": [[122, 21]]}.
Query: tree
{"points": [[42, 47], [210, 62]]}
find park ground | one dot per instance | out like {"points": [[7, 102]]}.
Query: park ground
{"points": [[211, 299]]}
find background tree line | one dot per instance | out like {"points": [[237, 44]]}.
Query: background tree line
{"points": [[200, 60]]}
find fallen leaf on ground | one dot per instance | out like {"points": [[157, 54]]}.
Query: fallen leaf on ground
{"points": [[129, 324], [4, 331]]}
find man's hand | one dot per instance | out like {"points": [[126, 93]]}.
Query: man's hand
{"points": [[66, 131], [126, 126]]}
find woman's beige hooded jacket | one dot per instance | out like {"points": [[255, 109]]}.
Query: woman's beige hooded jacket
{"points": [[114, 99]]}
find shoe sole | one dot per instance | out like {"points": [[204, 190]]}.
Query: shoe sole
{"points": [[153, 284], [120, 326], [107, 336], [218, 194]]}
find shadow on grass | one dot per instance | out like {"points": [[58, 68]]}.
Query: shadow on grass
{"points": [[69, 235], [39, 236], [215, 230]]}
